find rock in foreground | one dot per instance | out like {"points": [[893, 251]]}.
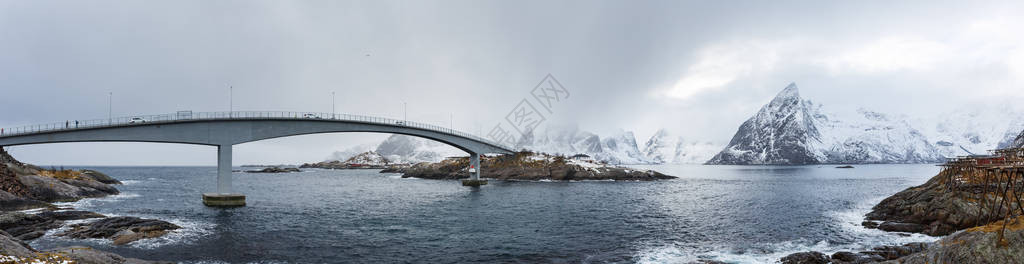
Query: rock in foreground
{"points": [[13, 250], [31, 226], [875, 255], [122, 230], [531, 166], [931, 209], [977, 245]]}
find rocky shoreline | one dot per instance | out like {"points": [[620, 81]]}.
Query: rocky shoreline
{"points": [[527, 166], [26, 213], [932, 210]]}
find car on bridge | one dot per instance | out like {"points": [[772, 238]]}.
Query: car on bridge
{"points": [[311, 116], [136, 120]]}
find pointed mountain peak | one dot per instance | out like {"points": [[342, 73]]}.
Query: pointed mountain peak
{"points": [[790, 91], [788, 96]]}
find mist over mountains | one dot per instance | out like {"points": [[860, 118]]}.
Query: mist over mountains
{"points": [[788, 130]]}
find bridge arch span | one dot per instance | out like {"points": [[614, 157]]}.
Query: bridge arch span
{"points": [[224, 130]]}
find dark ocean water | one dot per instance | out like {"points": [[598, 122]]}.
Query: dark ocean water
{"points": [[733, 214]]}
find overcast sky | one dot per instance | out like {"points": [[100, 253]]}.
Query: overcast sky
{"points": [[697, 68]]}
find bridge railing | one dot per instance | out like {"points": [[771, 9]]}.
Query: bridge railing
{"points": [[236, 115]]}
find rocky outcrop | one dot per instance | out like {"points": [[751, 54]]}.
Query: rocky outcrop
{"points": [[930, 209], [64, 190], [121, 230], [274, 170], [11, 202], [100, 177], [339, 165], [27, 226], [9, 182], [23, 186], [976, 245], [812, 257], [85, 255], [31, 226], [14, 250], [530, 166], [365, 160], [11, 246], [875, 255]]}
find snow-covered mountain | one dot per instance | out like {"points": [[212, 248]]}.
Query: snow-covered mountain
{"points": [[619, 148], [790, 130], [409, 149], [974, 130], [664, 148], [1019, 141]]}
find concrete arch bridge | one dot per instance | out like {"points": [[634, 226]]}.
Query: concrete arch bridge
{"points": [[225, 129]]}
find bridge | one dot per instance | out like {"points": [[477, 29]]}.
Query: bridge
{"points": [[226, 129]]}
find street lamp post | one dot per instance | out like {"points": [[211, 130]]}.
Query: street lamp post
{"points": [[334, 115], [231, 101], [110, 108], [405, 113]]}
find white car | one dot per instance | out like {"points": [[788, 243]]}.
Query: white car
{"points": [[136, 120], [313, 116]]}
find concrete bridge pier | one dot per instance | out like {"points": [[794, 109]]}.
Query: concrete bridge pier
{"points": [[224, 197], [474, 172]]}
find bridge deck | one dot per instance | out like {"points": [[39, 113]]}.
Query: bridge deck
{"points": [[187, 116]]}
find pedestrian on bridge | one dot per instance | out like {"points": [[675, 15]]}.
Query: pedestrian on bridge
{"points": [[76, 123], [67, 123]]}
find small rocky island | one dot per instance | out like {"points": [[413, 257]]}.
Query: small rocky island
{"points": [[28, 187], [365, 160], [275, 170], [528, 166]]}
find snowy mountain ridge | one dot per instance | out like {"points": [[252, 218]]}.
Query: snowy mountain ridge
{"points": [[619, 148], [789, 130]]}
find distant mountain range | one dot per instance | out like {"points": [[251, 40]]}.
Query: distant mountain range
{"points": [[789, 130], [620, 148]]}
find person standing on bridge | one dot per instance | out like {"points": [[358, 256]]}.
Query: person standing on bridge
{"points": [[66, 123], [76, 123]]}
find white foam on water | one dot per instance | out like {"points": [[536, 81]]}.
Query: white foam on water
{"points": [[130, 182], [848, 221], [189, 233], [91, 202], [773, 252]]}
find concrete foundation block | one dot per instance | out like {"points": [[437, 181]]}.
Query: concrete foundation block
{"points": [[223, 199], [474, 183]]}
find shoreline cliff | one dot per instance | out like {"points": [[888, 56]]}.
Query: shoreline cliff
{"points": [[26, 213]]}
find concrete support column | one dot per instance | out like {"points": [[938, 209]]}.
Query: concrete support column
{"points": [[474, 171], [224, 197], [474, 165], [224, 169]]}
